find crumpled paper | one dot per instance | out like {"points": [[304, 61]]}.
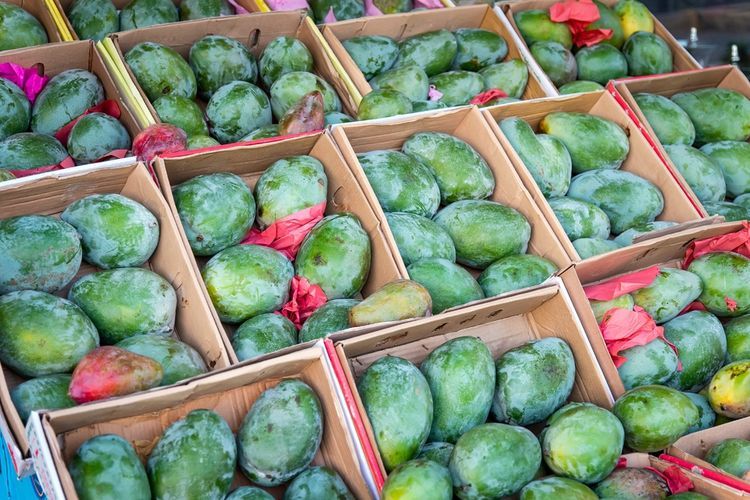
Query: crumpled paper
{"points": [[737, 242], [305, 299], [287, 233], [108, 107], [622, 285], [66, 163], [578, 15], [487, 96], [623, 329], [30, 80]]}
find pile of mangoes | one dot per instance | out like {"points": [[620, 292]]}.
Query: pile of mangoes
{"points": [[459, 65]]}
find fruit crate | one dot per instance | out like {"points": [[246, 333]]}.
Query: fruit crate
{"points": [[401, 26], [642, 160], [721, 77], [50, 195], [142, 419], [249, 162], [44, 14], [263, 6], [682, 60], [501, 324], [467, 125], [58, 57]]}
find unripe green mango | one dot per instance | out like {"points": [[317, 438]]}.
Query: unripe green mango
{"points": [[701, 172], [160, 71], [535, 25], [553, 487], [626, 238], [647, 54], [515, 272], [580, 219], [601, 63], [94, 19], [331, 317], [579, 86], [478, 48], [725, 275], [556, 61], [420, 238], [438, 452], [373, 54], [15, 108], [670, 293], [49, 392], [218, 60], [410, 80], [289, 88], [738, 339], [18, 28], [382, 104], [95, 135], [733, 157], [178, 360], [318, 482], [29, 150], [458, 87], [731, 455], [433, 51], [652, 363], [718, 114], [200, 9], [143, 13], [449, 285], [263, 334], [670, 122], [418, 479], [510, 76], [283, 55], [65, 97]]}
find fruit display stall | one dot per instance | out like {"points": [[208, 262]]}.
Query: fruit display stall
{"points": [[377, 257]]}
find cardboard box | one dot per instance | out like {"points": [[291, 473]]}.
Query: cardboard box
{"points": [[501, 324], [262, 6], [668, 250], [50, 196], [255, 31], [467, 124], [58, 57], [45, 16], [681, 58], [230, 393], [641, 161], [401, 26], [249, 162], [725, 77]]}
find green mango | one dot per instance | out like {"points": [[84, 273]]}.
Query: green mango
{"points": [[396, 301], [725, 275], [65, 97], [738, 339], [373, 54], [410, 80], [41, 334], [18, 28], [49, 392], [553, 487], [731, 455], [417, 106], [336, 255], [263, 334], [591, 247], [341, 9], [336, 117], [600, 307], [532, 381], [556, 61], [647, 54], [652, 363], [510, 76], [39, 253], [733, 157], [142, 13], [579, 86], [730, 211], [729, 390], [420, 238], [218, 60], [536, 26], [283, 55], [288, 186], [461, 173], [160, 71], [398, 403], [484, 231], [382, 104], [94, 19], [580, 219], [654, 417], [743, 200], [494, 461], [701, 172], [449, 285], [331, 317], [29, 150], [478, 48], [216, 211], [401, 183], [670, 293], [16, 109], [393, 6], [438, 452], [246, 280], [95, 135], [201, 141], [418, 479], [178, 360], [707, 416], [264, 132], [544, 156], [669, 121], [593, 142], [626, 238], [105, 466], [318, 482], [195, 458], [689, 495], [291, 87], [236, 109], [201, 9], [718, 114], [632, 482], [608, 20], [583, 442], [458, 87], [433, 51], [628, 200], [280, 434], [115, 230], [515, 272], [249, 493], [461, 376], [601, 63]]}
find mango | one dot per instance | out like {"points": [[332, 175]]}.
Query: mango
{"points": [[397, 300], [160, 71], [438, 452], [725, 278], [579, 86], [706, 414], [449, 285], [608, 19], [341, 9], [733, 158], [318, 482], [373, 54], [654, 416], [94, 136], [144, 13], [178, 360], [249, 493], [410, 80], [236, 109], [16, 109], [458, 87], [731, 455], [331, 317], [651, 363], [627, 237], [181, 112], [382, 104], [305, 116], [289, 88], [263, 334], [195, 458], [701, 346], [600, 307], [393, 6], [634, 16], [494, 460], [201, 141], [432, 51], [280, 434], [580, 219], [418, 479], [65, 97], [718, 114], [536, 26], [218, 60], [478, 48], [632, 482], [49, 392], [105, 466], [742, 200], [669, 121], [420, 238], [601, 63], [200, 9], [556, 61], [701, 172], [283, 55], [647, 54], [583, 442], [510, 76], [515, 272], [729, 390], [730, 211], [670, 293], [336, 117], [94, 19], [591, 247], [738, 339], [18, 28], [553, 487], [398, 403]]}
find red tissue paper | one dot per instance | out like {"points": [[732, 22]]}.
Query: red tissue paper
{"points": [[623, 329], [287, 233], [487, 96], [737, 242], [578, 15], [305, 299], [622, 285]]}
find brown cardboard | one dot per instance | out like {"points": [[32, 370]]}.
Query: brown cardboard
{"points": [[501, 324], [255, 31], [641, 161], [400, 26], [249, 162], [726, 77], [681, 58], [229, 393], [39, 10], [51, 195]]}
